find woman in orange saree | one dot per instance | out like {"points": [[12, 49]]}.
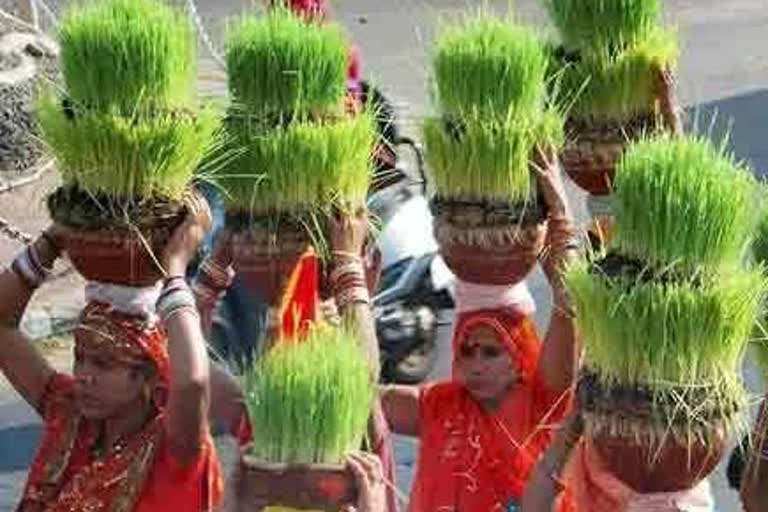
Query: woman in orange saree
{"points": [[128, 431], [482, 431]]}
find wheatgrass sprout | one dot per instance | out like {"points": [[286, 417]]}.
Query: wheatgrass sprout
{"points": [[590, 24], [281, 64], [760, 243], [298, 167], [614, 86], [484, 66], [309, 399], [125, 56], [686, 333], [682, 201], [482, 158], [127, 157]]}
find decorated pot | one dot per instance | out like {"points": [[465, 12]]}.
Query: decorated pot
{"points": [[118, 255], [283, 487], [646, 440], [265, 259], [673, 464], [487, 243], [593, 149]]}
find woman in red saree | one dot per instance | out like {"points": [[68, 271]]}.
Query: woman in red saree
{"points": [[482, 431], [128, 431]]}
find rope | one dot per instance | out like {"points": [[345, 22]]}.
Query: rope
{"points": [[13, 233], [204, 36]]}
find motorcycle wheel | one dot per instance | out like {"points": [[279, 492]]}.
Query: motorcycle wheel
{"points": [[415, 367]]}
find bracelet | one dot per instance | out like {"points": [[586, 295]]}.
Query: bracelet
{"points": [[353, 295], [218, 276], [176, 295], [29, 269], [191, 309], [345, 255]]}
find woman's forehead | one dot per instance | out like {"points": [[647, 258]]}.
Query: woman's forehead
{"points": [[481, 334]]}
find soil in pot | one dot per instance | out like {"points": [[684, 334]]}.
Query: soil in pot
{"points": [[489, 242], [113, 242]]}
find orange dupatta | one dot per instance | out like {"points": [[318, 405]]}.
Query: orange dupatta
{"points": [[472, 460]]}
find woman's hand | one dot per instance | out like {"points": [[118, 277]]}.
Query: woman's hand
{"points": [[560, 242], [369, 476], [550, 182], [664, 90], [182, 246], [348, 231]]}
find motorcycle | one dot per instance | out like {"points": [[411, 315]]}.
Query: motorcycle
{"points": [[414, 296]]}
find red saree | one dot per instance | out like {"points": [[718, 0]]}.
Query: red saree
{"points": [[138, 475], [142, 476], [471, 460]]}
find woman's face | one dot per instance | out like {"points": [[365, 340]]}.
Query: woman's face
{"points": [[106, 388], [484, 367]]}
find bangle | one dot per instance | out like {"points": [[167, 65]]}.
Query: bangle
{"points": [[29, 269], [175, 296], [217, 275], [345, 255]]}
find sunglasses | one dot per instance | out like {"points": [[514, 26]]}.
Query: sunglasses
{"points": [[468, 351]]}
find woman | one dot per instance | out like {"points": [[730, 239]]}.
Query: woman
{"points": [[481, 432], [128, 431], [351, 295]]}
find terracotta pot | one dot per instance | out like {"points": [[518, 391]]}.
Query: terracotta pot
{"points": [[266, 259], [672, 465], [297, 486], [648, 453], [485, 250], [118, 255]]}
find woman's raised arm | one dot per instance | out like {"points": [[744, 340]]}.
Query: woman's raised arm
{"points": [[24, 367], [560, 352], [187, 413]]}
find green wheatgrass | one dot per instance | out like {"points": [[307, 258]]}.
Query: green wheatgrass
{"points": [[487, 158], [127, 157], [680, 201], [279, 63], [309, 400], [604, 85], [302, 166], [124, 56], [484, 66], [590, 24], [760, 255], [684, 333]]}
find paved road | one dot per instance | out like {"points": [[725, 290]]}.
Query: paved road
{"points": [[723, 68]]}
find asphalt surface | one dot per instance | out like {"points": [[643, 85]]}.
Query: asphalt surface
{"points": [[723, 74]]}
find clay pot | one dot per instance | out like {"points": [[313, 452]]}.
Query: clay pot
{"points": [[649, 454], [486, 250], [297, 486], [265, 259], [593, 149], [671, 465], [119, 255]]}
